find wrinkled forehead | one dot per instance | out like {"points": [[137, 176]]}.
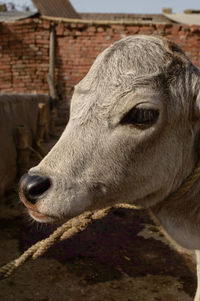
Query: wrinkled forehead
{"points": [[125, 60], [130, 64]]}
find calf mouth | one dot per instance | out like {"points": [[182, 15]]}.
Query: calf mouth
{"points": [[34, 212], [41, 218]]}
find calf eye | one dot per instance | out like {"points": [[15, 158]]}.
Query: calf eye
{"points": [[140, 117]]}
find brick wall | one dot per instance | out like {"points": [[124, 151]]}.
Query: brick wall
{"points": [[24, 57], [24, 50]]}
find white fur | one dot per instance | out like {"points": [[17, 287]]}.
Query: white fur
{"points": [[99, 162]]}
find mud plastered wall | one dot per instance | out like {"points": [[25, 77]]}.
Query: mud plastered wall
{"points": [[24, 51], [16, 111]]}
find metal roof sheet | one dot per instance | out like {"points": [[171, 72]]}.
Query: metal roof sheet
{"points": [[11, 16], [58, 8], [189, 19], [126, 17]]}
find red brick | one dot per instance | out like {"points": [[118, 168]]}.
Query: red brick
{"points": [[46, 24], [91, 29], [132, 29], [174, 30], [24, 50], [195, 29], [100, 29], [60, 29], [146, 29]]}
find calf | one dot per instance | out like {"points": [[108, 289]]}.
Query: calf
{"points": [[132, 137]]}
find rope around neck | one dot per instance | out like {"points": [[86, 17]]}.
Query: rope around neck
{"points": [[80, 223]]}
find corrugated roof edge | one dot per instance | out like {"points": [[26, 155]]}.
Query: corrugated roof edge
{"points": [[16, 16], [94, 22], [188, 19]]}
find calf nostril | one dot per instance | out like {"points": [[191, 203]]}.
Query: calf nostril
{"points": [[33, 186], [38, 186]]}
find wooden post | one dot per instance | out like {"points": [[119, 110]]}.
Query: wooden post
{"points": [[42, 121], [42, 128], [23, 151], [51, 77]]}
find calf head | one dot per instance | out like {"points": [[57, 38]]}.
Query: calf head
{"points": [[131, 137]]}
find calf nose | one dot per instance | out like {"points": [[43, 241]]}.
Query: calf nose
{"points": [[33, 186]]}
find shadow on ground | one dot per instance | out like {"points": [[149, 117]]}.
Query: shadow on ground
{"points": [[122, 257], [104, 262]]}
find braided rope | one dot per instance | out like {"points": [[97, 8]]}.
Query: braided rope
{"points": [[186, 185], [80, 223], [63, 232]]}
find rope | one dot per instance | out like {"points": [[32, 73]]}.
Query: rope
{"points": [[63, 232], [80, 223], [186, 185]]}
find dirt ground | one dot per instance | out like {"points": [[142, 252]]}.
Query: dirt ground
{"points": [[123, 257]]}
